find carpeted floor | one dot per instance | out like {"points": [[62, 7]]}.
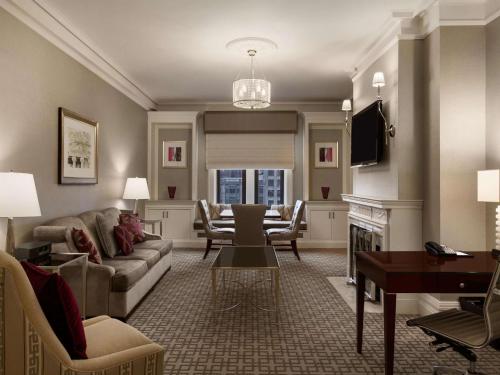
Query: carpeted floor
{"points": [[316, 334]]}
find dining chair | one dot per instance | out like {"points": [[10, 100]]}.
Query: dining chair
{"points": [[464, 331], [249, 224], [211, 232], [290, 233]]}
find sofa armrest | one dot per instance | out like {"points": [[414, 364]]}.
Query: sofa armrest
{"points": [[98, 288], [151, 236], [51, 233]]}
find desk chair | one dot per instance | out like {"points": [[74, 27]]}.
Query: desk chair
{"points": [[212, 233], [464, 331], [249, 224], [292, 232]]}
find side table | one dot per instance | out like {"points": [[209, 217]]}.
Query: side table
{"points": [[152, 222]]}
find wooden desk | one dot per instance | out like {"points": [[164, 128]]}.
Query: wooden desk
{"points": [[415, 272], [270, 214]]}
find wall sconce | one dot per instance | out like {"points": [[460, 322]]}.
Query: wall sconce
{"points": [[378, 82], [347, 107]]}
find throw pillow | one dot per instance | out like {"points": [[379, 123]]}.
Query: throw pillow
{"points": [[133, 225], [124, 238], [85, 245], [60, 308], [215, 210], [105, 231]]}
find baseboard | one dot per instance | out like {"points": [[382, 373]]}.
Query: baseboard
{"points": [[428, 304], [201, 243], [307, 244]]}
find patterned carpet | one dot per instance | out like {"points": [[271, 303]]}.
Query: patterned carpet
{"points": [[316, 334]]}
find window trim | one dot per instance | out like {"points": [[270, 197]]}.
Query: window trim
{"points": [[243, 186], [256, 185]]}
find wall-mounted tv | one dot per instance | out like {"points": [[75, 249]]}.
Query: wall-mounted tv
{"points": [[367, 136]]}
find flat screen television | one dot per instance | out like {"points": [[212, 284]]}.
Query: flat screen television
{"points": [[367, 136]]}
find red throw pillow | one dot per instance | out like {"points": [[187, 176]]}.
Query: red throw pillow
{"points": [[124, 239], [85, 245], [60, 308], [133, 224]]}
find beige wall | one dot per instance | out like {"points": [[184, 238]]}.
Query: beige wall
{"points": [[37, 78], [492, 116]]}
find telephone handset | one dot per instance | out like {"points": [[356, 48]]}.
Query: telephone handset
{"points": [[436, 249]]}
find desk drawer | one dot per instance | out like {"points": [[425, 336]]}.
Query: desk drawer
{"points": [[449, 283]]}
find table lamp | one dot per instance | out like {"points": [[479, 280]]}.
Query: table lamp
{"points": [[488, 190], [18, 198], [136, 188]]}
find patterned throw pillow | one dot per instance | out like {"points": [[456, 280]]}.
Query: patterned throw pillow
{"points": [[85, 245], [133, 225], [124, 239]]}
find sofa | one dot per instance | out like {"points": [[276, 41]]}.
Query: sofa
{"points": [[286, 212], [117, 285]]}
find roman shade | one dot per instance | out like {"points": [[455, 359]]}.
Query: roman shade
{"points": [[245, 122], [250, 151]]}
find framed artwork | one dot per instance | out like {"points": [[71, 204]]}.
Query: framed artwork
{"points": [[78, 156], [174, 154], [326, 155]]}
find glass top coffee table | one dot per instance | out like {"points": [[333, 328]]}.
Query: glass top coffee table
{"points": [[241, 258]]}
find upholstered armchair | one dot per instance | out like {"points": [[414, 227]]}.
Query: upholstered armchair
{"points": [[29, 345], [212, 233], [292, 232]]}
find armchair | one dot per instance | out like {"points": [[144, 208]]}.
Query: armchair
{"points": [[31, 347], [464, 331]]}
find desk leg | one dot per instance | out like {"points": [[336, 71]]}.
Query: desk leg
{"points": [[389, 330], [360, 308]]}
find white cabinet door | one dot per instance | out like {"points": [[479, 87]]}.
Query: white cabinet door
{"points": [[320, 225], [177, 225], [339, 227], [154, 214]]}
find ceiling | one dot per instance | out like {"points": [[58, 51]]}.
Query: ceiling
{"points": [[174, 50]]}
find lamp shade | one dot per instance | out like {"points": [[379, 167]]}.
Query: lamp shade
{"points": [[136, 188], [378, 79], [488, 185], [346, 105], [18, 197]]}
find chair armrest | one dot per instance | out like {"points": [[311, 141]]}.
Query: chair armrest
{"points": [[151, 236]]}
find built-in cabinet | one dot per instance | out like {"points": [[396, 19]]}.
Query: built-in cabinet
{"points": [[327, 224], [176, 217]]}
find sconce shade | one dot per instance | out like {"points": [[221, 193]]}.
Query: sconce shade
{"points": [[136, 188], [488, 185], [346, 105], [18, 196], [378, 80]]}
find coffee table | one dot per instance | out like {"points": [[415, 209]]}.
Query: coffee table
{"points": [[243, 258]]}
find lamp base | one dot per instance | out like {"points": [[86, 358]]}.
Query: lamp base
{"points": [[10, 240]]}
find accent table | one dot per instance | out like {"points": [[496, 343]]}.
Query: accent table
{"points": [[238, 258], [58, 261]]}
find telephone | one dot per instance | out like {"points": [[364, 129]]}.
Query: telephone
{"points": [[436, 249]]}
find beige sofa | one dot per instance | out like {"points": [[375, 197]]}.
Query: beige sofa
{"points": [[29, 345], [117, 285]]}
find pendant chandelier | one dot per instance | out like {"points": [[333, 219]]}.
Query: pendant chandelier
{"points": [[252, 93]]}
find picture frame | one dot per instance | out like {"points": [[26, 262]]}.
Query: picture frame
{"points": [[326, 155], [78, 162], [174, 154]]}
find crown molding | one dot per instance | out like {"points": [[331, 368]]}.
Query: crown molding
{"points": [[38, 16]]}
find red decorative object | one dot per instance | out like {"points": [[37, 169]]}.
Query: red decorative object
{"points": [[85, 245], [124, 239], [171, 191], [325, 190], [60, 308], [133, 225]]}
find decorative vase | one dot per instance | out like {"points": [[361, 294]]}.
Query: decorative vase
{"points": [[171, 191], [325, 190]]}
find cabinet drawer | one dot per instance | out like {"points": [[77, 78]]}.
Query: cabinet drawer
{"points": [[462, 283]]}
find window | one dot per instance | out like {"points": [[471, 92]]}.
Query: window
{"points": [[231, 186], [269, 186]]}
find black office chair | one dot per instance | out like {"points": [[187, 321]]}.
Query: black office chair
{"points": [[464, 331]]}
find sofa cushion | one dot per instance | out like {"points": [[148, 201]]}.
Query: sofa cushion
{"points": [[85, 245], [109, 336], [127, 273], [133, 225], [124, 239], [89, 218], [105, 229], [151, 257], [60, 308], [162, 246], [72, 222]]}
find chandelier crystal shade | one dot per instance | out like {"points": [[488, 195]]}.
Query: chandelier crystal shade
{"points": [[252, 93]]}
